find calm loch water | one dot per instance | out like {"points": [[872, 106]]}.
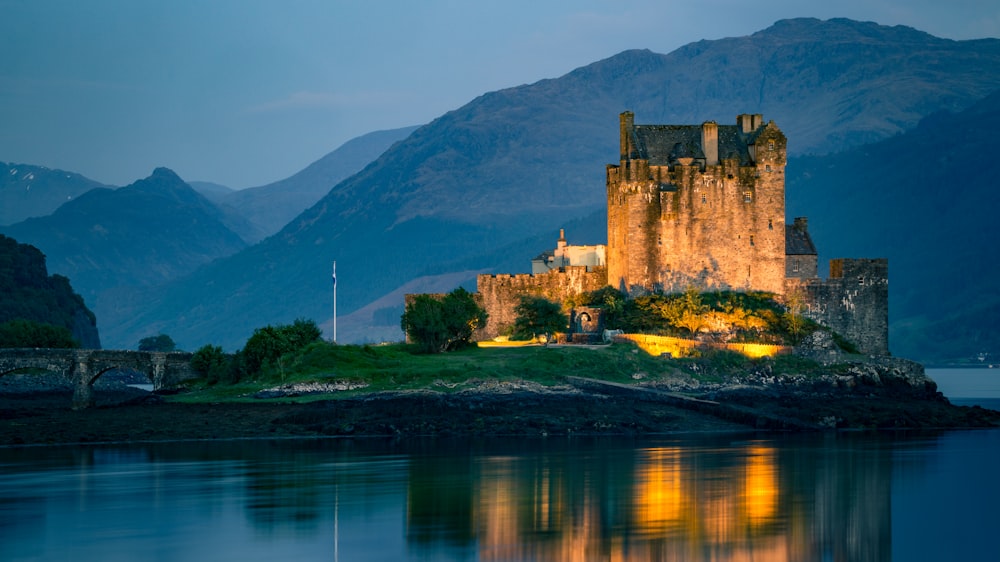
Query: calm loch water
{"points": [[731, 497]]}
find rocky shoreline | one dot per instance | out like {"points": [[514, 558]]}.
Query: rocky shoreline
{"points": [[883, 394]]}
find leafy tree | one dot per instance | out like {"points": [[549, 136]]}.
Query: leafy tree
{"points": [[538, 316], [442, 324], [210, 362], [161, 342], [612, 302], [269, 343], [793, 319], [28, 333]]}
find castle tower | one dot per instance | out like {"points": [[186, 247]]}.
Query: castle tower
{"points": [[700, 205]]}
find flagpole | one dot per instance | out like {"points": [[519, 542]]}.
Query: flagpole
{"points": [[335, 301]]}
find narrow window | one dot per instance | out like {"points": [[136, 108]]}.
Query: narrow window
{"points": [[751, 240], [770, 145], [704, 199], [770, 224], [861, 281], [747, 196], [767, 167]]}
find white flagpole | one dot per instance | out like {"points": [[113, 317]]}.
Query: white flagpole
{"points": [[334, 301]]}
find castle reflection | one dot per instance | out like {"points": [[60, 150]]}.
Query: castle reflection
{"points": [[726, 504]]}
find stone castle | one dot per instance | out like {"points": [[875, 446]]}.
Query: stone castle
{"points": [[704, 206]]}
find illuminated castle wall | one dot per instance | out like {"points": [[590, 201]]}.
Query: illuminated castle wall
{"points": [[703, 206], [697, 205]]}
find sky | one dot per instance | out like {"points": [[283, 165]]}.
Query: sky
{"points": [[246, 92]]}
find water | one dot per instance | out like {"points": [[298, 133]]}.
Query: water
{"points": [[720, 497]]}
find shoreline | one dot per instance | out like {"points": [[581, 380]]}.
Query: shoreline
{"points": [[45, 418]]}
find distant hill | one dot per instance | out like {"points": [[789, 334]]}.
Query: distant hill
{"points": [[214, 192], [924, 199], [28, 292], [35, 191], [272, 206], [467, 191], [112, 241]]}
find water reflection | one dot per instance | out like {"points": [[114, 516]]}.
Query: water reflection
{"points": [[720, 498]]}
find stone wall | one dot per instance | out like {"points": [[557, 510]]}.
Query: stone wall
{"points": [[854, 301], [499, 295], [714, 222]]}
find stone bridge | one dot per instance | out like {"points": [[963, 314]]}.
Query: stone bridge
{"points": [[81, 367]]}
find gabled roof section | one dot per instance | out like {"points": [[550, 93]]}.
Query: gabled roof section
{"points": [[663, 145], [797, 240]]}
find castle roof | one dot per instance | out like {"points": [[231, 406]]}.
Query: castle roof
{"points": [[663, 145], [797, 240]]}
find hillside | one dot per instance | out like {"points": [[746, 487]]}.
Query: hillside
{"points": [[519, 163], [28, 292], [272, 206], [112, 241], [922, 200], [35, 191]]}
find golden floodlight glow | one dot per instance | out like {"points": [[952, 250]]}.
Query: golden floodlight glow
{"points": [[760, 485], [680, 347], [659, 498]]}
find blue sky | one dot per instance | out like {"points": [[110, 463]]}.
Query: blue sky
{"points": [[245, 92]]}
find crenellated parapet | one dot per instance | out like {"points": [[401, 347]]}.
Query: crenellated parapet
{"points": [[853, 301], [500, 294], [697, 205]]}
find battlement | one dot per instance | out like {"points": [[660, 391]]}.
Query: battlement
{"points": [[501, 293]]}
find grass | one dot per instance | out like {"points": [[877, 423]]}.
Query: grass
{"points": [[397, 367]]}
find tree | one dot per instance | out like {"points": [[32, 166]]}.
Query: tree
{"points": [[795, 305], [538, 316], [442, 324], [269, 343], [210, 362], [611, 301], [160, 342], [27, 333]]}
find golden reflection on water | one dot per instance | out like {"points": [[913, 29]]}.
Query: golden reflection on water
{"points": [[672, 506]]}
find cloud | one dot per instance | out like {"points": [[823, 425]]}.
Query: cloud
{"points": [[328, 100]]}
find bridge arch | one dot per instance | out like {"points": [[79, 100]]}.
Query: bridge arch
{"points": [[82, 367]]}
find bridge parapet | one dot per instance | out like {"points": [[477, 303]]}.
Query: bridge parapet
{"points": [[84, 366]]}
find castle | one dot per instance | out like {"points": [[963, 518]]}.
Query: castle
{"points": [[703, 206]]}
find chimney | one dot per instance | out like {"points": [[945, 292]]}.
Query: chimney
{"points": [[710, 142], [749, 123], [626, 122]]}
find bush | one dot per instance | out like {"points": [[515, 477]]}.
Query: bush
{"points": [[538, 316], [160, 342], [269, 343], [27, 333], [445, 324], [212, 364]]}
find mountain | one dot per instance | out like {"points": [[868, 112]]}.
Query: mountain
{"points": [[924, 200], [214, 192], [272, 206], [35, 191], [28, 292], [467, 191], [111, 241]]}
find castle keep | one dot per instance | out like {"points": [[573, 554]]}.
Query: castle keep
{"points": [[697, 205], [703, 206]]}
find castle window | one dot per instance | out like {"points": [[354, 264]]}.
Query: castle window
{"points": [[770, 224], [747, 196], [751, 240], [704, 199], [861, 281], [770, 145], [767, 167]]}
